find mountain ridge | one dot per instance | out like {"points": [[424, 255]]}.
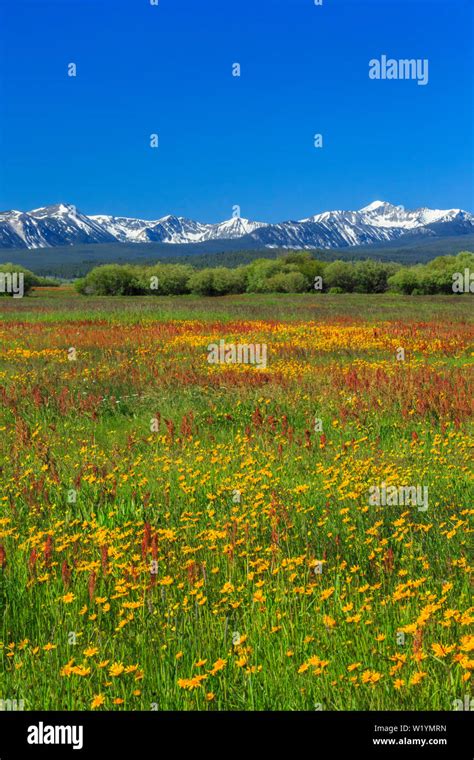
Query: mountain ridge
{"points": [[378, 222]]}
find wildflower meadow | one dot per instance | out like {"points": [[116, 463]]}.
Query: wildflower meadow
{"points": [[184, 526]]}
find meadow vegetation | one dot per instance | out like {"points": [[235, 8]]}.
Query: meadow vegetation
{"points": [[180, 535], [294, 272]]}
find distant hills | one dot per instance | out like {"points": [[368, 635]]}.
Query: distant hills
{"points": [[76, 260]]}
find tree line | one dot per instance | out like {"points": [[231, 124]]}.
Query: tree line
{"points": [[9, 272], [294, 272]]}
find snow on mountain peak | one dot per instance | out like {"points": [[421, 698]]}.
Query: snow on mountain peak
{"points": [[378, 222], [378, 206], [235, 227], [58, 208]]}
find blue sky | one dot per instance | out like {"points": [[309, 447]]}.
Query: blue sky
{"points": [[224, 140]]}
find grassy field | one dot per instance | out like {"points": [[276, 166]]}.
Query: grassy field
{"points": [[176, 534]]}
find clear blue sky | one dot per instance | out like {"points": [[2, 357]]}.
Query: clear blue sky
{"points": [[223, 140]]}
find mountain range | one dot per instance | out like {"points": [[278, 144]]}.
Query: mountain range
{"points": [[379, 222]]}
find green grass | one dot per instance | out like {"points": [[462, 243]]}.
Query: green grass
{"points": [[239, 568]]}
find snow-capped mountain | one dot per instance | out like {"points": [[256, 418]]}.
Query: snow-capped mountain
{"points": [[169, 229], [50, 226], [174, 229], [233, 228], [376, 223]]}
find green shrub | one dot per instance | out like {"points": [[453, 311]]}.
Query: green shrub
{"points": [[260, 271], [111, 280], [340, 274], [166, 279], [218, 281], [287, 282], [404, 281], [372, 276], [293, 273], [10, 280]]}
